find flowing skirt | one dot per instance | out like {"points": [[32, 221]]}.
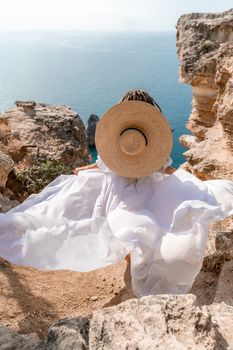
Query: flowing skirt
{"points": [[88, 221]]}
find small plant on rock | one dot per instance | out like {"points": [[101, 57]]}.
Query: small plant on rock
{"points": [[40, 174]]}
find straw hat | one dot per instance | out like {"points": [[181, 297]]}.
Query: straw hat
{"points": [[133, 139]]}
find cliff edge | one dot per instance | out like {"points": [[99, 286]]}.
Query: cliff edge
{"points": [[205, 50], [38, 142]]}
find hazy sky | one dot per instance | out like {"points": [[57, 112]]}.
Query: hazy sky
{"points": [[101, 14]]}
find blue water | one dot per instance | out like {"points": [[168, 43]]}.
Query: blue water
{"points": [[91, 71]]}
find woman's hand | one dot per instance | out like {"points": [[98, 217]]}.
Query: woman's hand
{"points": [[86, 167], [76, 170], [169, 170], [127, 258]]}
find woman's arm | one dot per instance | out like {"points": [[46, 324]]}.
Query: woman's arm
{"points": [[86, 167]]}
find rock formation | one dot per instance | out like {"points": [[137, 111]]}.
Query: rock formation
{"points": [[205, 50], [34, 133], [35, 130], [153, 322], [91, 126], [11, 340], [6, 166]]}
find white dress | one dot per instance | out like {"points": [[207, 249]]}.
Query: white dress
{"points": [[95, 219]]}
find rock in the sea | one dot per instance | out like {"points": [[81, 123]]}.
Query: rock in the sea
{"points": [[91, 127], [33, 131], [205, 50]]}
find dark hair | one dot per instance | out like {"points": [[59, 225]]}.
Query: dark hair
{"points": [[139, 95]]}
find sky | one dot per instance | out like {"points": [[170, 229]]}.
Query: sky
{"points": [[101, 15]]}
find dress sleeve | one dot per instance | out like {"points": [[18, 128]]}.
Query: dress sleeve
{"points": [[222, 191]]}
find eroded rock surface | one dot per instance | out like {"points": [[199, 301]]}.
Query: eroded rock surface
{"points": [[6, 166], [35, 130], [11, 340], [154, 322], [31, 135], [205, 50]]}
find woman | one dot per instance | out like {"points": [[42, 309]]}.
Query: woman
{"points": [[129, 206], [133, 95]]}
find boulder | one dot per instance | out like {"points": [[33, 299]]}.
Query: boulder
{"points": [[38, 142], [154, 322], [11, 340], [7, 204], [36, 131], [66, 334], [6, 166]]}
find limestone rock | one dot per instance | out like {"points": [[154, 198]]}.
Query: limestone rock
{"points": [[155, 322], [219, 245], [66, 334], [11, 340], [43, 140], [7, 204], [222, 319], [27, 106], [205, 50], [6, 166], [33, 131], [224, 291], [160, 322]]}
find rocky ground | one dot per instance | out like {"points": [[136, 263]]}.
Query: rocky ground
{"points": [[31, 300], [165, 322]]}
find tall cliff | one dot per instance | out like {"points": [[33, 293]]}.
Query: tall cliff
{"points": [[205, 50]]}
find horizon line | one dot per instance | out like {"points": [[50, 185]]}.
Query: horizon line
{"points": [[87, 30]]}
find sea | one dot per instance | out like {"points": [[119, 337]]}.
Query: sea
{"points": [[91, 71]]}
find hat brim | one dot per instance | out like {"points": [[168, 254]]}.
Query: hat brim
{"points": [[142, 116]]}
